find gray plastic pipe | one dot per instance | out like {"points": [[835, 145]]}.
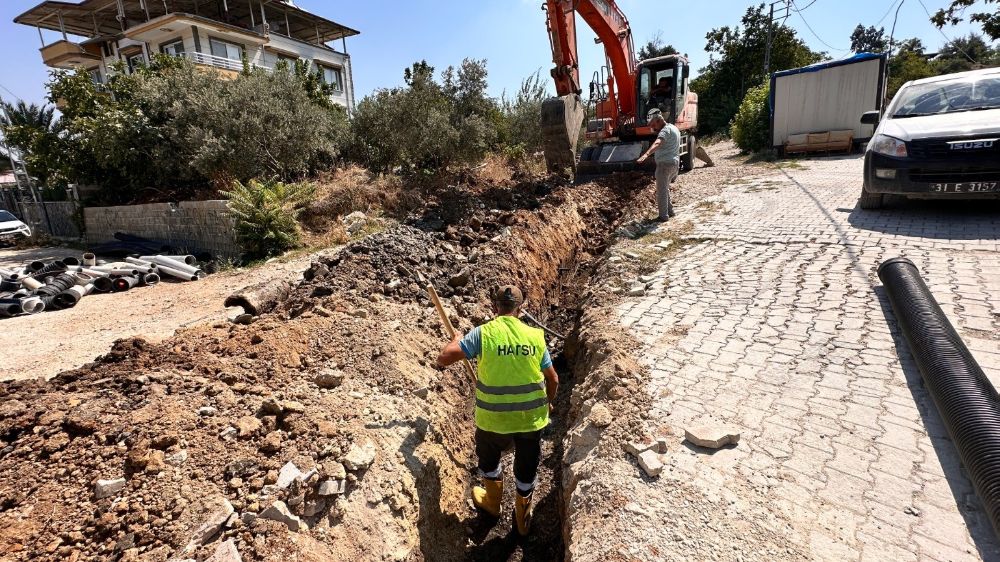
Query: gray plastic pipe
{"points": [[89, 259], [150, 279], [174, 264], [138, 261]]}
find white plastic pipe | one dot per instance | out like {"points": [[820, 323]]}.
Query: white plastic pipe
{"points": [[174, 264], [89, 259], [6, 272], [164, 270], [150, 279], [187, 260], [143, 262], [32, 305], [124, 271], [31, 283]]}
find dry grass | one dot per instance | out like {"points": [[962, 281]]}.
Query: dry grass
{"points": [[350, 189]]}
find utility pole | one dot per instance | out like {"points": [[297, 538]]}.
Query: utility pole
{"points": [[783, 13]]}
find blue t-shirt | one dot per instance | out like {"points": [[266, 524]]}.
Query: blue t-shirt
{"points": [[472, 345]]}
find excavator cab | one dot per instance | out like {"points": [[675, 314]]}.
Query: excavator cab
{"points": [[661, 83]]}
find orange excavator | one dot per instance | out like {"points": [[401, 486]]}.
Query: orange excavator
{"points": [[621, 95]]}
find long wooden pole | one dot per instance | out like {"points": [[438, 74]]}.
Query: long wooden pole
{"points": [[448, 327]]}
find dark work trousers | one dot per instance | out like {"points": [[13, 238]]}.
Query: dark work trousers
{"points": [[527, 453]]}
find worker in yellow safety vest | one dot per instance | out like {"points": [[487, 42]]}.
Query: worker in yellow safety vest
{"points": [[515, 389]]}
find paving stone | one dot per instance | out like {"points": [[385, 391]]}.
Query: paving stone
{"points": [[712, 436]]}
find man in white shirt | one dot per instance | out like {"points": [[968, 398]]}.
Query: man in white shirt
{"points": [[666, 151]]}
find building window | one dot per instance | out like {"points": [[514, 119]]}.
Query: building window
{"points": [[95, 76], [226, 50], [332, 76], [135, 61], [175, 49]]}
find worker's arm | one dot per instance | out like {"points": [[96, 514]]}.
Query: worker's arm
{"points": [[551, 385], [651, 150], [451, 353]]}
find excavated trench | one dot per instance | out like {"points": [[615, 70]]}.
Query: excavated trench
{"points": [[552, 260], [343, 363]]}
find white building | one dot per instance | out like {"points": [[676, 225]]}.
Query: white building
{"points": [[214, 34]]}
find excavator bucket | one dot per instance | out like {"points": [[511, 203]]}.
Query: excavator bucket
{"points": [[612, 157], [561, 120]]}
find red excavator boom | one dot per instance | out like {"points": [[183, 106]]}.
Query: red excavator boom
{"points": [[620, 102]]}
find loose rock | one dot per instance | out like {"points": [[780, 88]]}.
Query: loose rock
{"points": [[650, 463], [279, 512], [360, 456], [712, 436], [107, 488]]}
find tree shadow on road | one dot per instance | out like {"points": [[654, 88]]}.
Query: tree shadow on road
{"points": [[967, 501]]}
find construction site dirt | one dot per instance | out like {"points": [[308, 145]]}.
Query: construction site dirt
{"points": [[336, 385]]}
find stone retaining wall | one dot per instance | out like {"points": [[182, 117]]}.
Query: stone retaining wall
{"points": [[190, 225]]}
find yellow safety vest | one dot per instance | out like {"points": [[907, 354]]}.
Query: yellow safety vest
{"points": [[510, 390]]}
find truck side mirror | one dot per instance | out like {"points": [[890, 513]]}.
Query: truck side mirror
{"points": [[687, 71], [870, 118]]}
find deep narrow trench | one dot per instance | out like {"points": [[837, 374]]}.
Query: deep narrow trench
{"points": [[475, 537]]}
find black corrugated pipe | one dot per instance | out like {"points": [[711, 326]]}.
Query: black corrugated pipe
{"points": [[53, 287], [51, 267], [969, 405], [10, 307]]}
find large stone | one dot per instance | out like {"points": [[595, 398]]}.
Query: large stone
{"points": [[712, 436], [330, 378], [248, 426], [332, 487], [279, 512], [650, 463], [225, 552], [600, 415], [360, 456], [108, 488], [212, 525], [288, 474]]}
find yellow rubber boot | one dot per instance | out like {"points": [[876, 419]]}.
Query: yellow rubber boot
{"points": [[488, 496], [522, 513]]}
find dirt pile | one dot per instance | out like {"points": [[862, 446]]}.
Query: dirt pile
{"points": [[338, 381]]}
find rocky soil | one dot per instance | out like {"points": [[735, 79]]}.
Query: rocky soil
{"points": [[321, 431]]}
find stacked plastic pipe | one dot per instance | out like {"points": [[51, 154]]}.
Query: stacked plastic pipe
{"points": [[60, 284]]}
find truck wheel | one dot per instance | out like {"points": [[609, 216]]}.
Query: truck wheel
{"points": [[870, 201], [688, 160]]}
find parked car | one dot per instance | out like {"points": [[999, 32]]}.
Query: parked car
{"points": [[938, 138], [11, 229]]}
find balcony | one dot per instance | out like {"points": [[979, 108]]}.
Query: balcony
{"points": [[66, 54], [229, 68]]}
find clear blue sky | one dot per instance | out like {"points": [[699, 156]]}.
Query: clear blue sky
{"points": [[510, 34]]}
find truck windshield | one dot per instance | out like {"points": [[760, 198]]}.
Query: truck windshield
{"points": [[6, 217], [950, 96]]}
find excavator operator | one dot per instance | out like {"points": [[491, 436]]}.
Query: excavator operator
{"points": [[662, 95]]}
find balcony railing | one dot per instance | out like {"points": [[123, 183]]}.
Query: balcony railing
{"points": [[220, 62]]}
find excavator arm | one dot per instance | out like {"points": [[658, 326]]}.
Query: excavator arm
{"points": [[563, 116]]}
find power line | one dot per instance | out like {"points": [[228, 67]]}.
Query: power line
{"points": [[887, 12], [943, 34], [816, 35], [807, 6], [11, 93]]}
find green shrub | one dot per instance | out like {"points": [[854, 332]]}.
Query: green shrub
{"points": [[751, 127], [265, 213]]}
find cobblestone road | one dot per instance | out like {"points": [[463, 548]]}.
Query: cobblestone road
{"points": [[772, 319]]}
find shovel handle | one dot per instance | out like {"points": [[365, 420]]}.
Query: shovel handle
{"points": [[447, 326]]}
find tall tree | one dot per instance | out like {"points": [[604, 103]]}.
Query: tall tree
{"points": [[655, 47], [955, 13], [869, 40], [909, 63], [965, 53], [736, 64]]}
